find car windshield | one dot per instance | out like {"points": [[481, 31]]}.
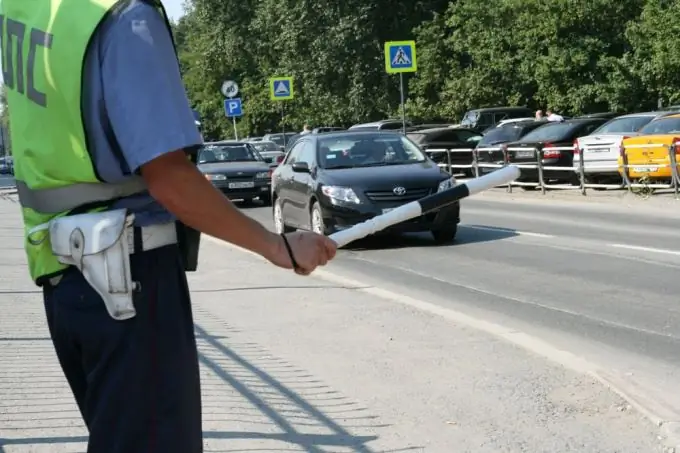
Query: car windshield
{"points": [[619, 125], [368, 150], [500, 135], [266, 146], [211, 154], [470, 119], [554, 131], [662, 126]]}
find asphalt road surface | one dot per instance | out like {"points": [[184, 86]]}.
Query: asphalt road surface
{"points": [[6, 181], [597, 278]]}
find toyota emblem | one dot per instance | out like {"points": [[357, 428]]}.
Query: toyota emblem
{"points": [[399, 191]]}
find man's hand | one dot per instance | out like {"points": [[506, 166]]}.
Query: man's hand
{"points": [[310, 250]]}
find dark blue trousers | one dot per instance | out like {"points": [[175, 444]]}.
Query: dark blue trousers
{"points": [[136, 382]]}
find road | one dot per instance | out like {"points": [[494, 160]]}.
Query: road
{"points": [[596, 278]]}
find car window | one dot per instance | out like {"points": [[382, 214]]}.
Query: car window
{"points": [[368, 149], [265, 146], [587, 130], [549, 131], [294, 153], [391, 126], [662, 126], [500, 116], [210, 154], [629, 124], [501, 135], [307, 154]]}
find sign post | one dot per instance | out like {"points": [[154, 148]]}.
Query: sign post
{"points": [[233, 108], [281, 89], [232, 105], [400, 57]]}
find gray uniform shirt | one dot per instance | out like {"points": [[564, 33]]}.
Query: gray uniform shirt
{"points": [[134, 96]]}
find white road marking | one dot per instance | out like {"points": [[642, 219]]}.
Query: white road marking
{"points": [[507, 230], [645, 249]]}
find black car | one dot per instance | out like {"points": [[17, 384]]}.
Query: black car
{"points": [[330, 182], [461, 141], [237, 169], [556, 141], [490, 149], [481, 119]]}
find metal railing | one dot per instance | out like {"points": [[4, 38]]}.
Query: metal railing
{"points": [[576, 171]]}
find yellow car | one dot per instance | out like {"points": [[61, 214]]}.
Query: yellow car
{"points": [[648, 153]]}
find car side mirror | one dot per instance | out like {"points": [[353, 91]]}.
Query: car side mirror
{"points": [[300, 167]]}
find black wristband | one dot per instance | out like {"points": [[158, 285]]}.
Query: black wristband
{"points": [[290, 252]]}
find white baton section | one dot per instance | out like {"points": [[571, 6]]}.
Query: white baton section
{"points": [[377, 223], [413, 209], [499, 177]]}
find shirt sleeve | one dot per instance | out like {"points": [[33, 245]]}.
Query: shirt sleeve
{"points": [[143, 91]]}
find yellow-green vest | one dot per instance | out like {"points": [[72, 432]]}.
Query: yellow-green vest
{"points": [[44, 45]]}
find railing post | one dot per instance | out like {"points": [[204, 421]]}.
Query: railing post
{"points": [[672, 150], [626, 177], [581, 169], [475, 163], [506, 162], [538, 151], [448, 160]]}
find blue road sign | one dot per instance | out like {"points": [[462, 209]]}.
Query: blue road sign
{"points": [[281, 88], [233, 107], [400, 56]]}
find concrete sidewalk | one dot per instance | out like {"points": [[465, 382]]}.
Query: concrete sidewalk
{"points": [[300, 364]]}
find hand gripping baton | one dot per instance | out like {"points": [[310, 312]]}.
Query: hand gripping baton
{"points": [[427, 204]]}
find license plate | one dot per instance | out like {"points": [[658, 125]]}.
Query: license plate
{"points": [[386, 210], [644, 169], [241, 185], [524, 154]]}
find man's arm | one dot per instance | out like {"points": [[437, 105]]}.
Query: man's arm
{"points": [[153, 122]]}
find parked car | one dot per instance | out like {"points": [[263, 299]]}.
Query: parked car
{"points": [[333, 181], [491, 148], [6, 165], [482, 119], [460, 141], [557, 140], [237, 170], [281, 139], [380, 125], [270, 151], [651, 148], [420, 127], [323, 129], [522, 119], [602, 148]]}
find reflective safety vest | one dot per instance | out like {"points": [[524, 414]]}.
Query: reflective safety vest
{"points": [[44, 46]]}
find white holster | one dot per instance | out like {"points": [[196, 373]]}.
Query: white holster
{"points": [[97, 244]]}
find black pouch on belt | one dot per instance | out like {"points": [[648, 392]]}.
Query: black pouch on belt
{"points": [[189, 241]]}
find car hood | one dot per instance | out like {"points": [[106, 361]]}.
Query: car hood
{"points": [[423, 174], [233, 168]]}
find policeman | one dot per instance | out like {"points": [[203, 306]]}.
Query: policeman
{"points": [[101, 128]]}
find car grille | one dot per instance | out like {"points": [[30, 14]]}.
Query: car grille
{"points": [[388, 195]]}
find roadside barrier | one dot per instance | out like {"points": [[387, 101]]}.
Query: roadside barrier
{"points": [[571, 177]]}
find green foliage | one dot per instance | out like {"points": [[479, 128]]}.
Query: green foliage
{"points": [[573, 56]]}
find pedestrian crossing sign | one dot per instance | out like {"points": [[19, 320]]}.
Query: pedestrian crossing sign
{"points": [[281, 88], [400, 56]]}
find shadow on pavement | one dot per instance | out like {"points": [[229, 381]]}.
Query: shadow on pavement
{"points": [[292, 409], [467, 234], [301, 408]]}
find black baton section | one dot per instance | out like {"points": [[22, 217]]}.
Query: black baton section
{"points": [[441, 199]]}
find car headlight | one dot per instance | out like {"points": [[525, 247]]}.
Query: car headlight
{"points": [[446, 184], [263, 175], [343, 194], [216, 177]]}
